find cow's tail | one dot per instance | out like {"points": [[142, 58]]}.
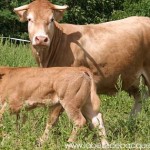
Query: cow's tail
{"points": [[93, 95]]}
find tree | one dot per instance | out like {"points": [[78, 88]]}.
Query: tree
{"points": [[9, 24], [91, 11], [133, 8]]}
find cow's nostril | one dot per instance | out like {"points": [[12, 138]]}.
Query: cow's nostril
{"points": [[36, 38], [46, 39], [41, 40]]}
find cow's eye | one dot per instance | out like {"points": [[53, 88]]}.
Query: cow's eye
{"points": [[52, 19], [29, 19]]}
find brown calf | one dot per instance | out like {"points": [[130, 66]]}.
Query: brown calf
{"points": [[68, 88]]}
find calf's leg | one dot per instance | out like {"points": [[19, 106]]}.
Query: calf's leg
{"points": [[52, 119], [78, 120], [96, 118], [3, 109], [75, 115]]}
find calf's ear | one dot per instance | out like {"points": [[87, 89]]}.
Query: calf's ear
{"points": [[59, 11], [22, 12]]}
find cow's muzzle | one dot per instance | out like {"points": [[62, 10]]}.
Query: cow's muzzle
{"points": [[41, 40]]}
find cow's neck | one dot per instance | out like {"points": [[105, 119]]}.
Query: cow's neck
{"points": [[56, 54], [54, 50]]}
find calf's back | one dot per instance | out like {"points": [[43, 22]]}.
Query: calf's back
{"points": [[43, 85]]}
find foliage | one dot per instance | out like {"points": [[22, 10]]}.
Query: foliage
{"points": [[133, 8], [9, 24], [79, 12], [92, 11]]}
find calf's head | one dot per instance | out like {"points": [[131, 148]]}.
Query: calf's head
{"points": [[40, 15]]}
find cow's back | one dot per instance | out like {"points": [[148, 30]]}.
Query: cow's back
{"points": [[112, 49]]}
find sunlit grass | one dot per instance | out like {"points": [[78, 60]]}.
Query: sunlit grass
{"points": [[15, 55]]}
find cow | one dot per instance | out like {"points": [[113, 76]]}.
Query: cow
{"points": [[58, 88], [109, 50]]}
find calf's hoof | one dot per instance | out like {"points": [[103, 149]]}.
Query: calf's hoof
{"points": [[39, 142], [71, 140], [104, 143]]}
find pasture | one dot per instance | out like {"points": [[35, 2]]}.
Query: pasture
{"points": [[122, 130]]}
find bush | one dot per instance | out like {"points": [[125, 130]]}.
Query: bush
{"points": [[91, 11], [133, 8]]}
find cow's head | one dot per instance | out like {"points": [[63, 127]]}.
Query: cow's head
{"points": [[40, 15]]}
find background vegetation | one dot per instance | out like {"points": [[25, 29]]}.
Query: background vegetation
{"points": [[79, 12]]}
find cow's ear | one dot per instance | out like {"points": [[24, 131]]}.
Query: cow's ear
{"points": [[58, 14], [22, 12], [59, 11], [22, 15]]}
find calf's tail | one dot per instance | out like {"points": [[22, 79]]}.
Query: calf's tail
{"points": [[94, 97]]}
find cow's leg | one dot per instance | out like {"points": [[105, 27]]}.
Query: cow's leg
{"points": [[137, 106], [146, 74], [17, 124], [135, 91], [97, 121], [23, 118], [52, 119]]}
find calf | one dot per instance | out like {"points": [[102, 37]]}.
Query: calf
{"points": [[60, 88]]}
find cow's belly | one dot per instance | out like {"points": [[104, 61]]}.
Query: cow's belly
{"points": [[110, 67], [111, 76], [112, 61]]}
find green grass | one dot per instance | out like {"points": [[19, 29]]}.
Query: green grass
{"points": [[119, 126], [15, 55]]}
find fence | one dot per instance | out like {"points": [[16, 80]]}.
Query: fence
{"points": [[15, 40]]}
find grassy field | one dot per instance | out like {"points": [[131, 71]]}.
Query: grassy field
{"points": [[122, 130]]}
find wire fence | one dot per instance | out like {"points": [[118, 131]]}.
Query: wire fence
{"points": [[15, 39]]}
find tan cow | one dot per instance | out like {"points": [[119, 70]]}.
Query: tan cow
{"points": [[69, 88], [109, 49]]}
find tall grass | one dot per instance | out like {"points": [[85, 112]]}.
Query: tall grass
{"points": [[121, 129], [15, 55]]}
